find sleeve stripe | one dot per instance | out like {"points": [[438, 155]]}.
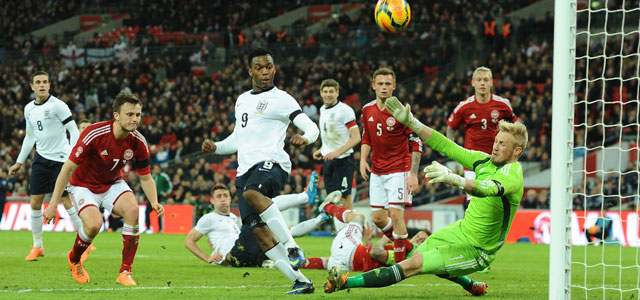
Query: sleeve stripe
{"points": [[500, 188], [479, 162], [294, 114], [67, 120], [351, 124]]}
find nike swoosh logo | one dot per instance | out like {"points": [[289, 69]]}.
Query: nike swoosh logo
{"points": [[295, 262]]}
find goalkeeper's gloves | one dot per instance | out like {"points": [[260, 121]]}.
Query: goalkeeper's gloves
{"points": [[439, 173], [402, 114]]}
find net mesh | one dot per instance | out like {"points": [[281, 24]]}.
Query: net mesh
{"points": [[604, 223]]}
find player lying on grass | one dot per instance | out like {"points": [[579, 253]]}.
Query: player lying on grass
{"points": [[470, 244], [234, 245], [347, 249]]}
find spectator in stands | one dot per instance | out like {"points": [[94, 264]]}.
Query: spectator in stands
{"points": [[530, 200]]}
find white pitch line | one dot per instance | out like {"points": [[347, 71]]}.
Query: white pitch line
{"points": [[233, 287]]}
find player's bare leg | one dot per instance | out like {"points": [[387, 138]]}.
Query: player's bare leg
{"points": [[401, 244], [37, 221], [92, 222], [380, 217], [347, 202], [127, 207]]}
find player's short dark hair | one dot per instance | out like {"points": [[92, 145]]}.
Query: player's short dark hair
{"points": [[38, 73], [84, 121], [123, 98], [383, 71], [219, 187], [330, 83], [258, 52]]}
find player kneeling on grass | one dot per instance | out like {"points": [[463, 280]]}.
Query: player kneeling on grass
{"points": [[347, 249], [470, 244], [93, 174], [234, 245]]}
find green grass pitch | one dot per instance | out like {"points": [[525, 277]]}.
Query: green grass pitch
{"points": [[165, 269]]}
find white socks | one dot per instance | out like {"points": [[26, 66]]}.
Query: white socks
{"points": [[278, 254], [285, 202], [306, 227], [36, 227], [274, 220]]}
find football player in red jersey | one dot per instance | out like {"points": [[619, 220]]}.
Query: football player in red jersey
{"points": [[395, 158], [92, 173], [479, 116]]}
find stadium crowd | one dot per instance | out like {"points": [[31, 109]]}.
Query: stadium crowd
{"points": [[182, 108]]}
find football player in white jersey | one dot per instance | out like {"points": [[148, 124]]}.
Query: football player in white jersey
{"points": [[340, 133], [234, 245], [48, 119], [262, 118]]}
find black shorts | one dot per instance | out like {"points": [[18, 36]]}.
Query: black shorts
{"points": [[338, 175], [246, 251], [44, 173], [265, 177]]}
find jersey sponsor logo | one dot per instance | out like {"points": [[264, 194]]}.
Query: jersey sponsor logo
{"points": [[262, 106], [495, 114], [391, 121], [128, 154], [370, 119], [472, 116], [104, 152], [79, 151]]}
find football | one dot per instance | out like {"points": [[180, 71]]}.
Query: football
{"points": [[392, 15]]}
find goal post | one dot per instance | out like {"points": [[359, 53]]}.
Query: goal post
{"points": [[562, 148]]}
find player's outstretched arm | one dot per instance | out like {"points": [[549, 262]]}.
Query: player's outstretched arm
{"points": [[149, 188], [61, 182], [310, 129], [403, 114], [226, 146], [74, 133]]}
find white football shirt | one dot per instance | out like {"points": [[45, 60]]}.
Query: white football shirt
{"points": [[221, 230], [262, 120], [335, 122], [45, 122]]}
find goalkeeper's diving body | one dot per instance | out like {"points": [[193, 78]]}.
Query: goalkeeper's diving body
{"points": [[470, 244]]}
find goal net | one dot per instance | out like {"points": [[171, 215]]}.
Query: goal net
{"points": [[595, 251]]}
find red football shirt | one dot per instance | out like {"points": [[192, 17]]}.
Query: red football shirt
{"points": [[100, 156], [481, 121], [391, 142], [362, 260]]}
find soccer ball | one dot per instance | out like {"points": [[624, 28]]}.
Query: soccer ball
{"points": [[392, 15]]}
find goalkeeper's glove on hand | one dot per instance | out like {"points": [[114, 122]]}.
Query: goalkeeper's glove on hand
{"points": [[402, 114], [439, 173]]}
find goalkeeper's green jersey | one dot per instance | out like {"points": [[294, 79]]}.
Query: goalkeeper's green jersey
{"points": [[488, 218]]}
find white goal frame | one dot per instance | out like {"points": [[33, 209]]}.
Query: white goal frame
{"points": [[564, 53]]}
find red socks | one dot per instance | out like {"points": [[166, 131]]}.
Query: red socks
{"points": [[339, 212]]}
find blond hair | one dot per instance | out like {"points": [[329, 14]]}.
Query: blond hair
{"points": [[517, 130], [482, 69]]}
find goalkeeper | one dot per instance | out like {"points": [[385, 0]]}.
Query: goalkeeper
{"points": [[470, 244]]}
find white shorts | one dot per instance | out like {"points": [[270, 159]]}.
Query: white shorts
{"points": [[468, 174], [389, 189], [344, 246], [82, 197]]}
